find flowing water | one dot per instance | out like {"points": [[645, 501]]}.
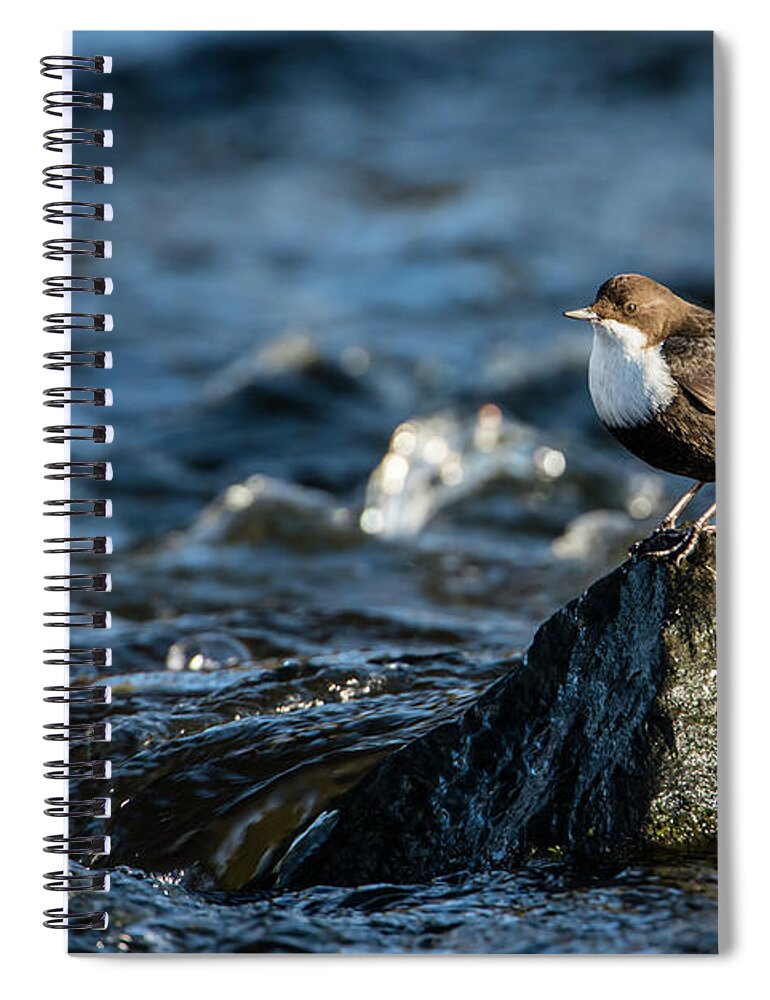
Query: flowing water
{"points": [[355, 460]]}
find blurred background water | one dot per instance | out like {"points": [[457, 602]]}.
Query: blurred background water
{"points": [[356, 462]]}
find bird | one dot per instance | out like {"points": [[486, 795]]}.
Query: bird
{"points": [[652, 379]]}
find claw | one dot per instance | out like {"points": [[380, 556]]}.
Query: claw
{"points": [[667, 543], [689, 544]]}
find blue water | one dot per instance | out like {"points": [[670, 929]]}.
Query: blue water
{"points": [[356, 463]]}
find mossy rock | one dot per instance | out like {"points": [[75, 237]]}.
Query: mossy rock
{"points": [[603, 737]]}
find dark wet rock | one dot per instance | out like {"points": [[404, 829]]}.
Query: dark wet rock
{"points": [[603, 738], [222, 769]]}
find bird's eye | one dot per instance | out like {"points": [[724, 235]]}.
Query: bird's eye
{"points": [[630, 307]]}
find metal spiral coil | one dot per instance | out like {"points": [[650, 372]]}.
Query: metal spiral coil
{"points": [[60, 249], [91, 732], [62, 284], [71, 882], [97, 694], [61, 433], [97, 545], [89, 770], [71, 694], [59, 361], [100, 471], [87, 732], [95, 656], [85, 920], [57, 176], [98, 583], [88, 322], [62, 843], [78, 508], [93, 808], [54, 66], [78, 619], [57, 138], [68, 395], [58, 101], [58, 211]]}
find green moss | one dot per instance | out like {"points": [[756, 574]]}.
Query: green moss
{"points": [[683, 810]]}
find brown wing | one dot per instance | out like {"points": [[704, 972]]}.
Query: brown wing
{"points": [[692, 360]]}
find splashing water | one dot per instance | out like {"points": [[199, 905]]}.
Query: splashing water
{"points": [[435, 461]]}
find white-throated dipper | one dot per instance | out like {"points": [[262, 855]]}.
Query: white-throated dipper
{"points": [[652, 380]]}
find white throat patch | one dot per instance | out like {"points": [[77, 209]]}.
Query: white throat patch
{"points": [[628, 382]]}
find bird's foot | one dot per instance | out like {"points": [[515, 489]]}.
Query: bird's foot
{"points": [[668, 543]]}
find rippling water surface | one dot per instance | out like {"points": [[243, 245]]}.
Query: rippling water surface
{"points": [[355, 459]]}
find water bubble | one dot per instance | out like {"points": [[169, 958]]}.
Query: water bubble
{"points": [[550, 461], [207, 651]]}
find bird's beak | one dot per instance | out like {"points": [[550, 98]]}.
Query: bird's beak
{"points": [[585, 313]]}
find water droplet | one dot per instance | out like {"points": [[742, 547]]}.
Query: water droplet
{"points": [[436, 450], [238, 497], [550, 461], [394, 473], [404, 439], [372, 521], [207, 651]]}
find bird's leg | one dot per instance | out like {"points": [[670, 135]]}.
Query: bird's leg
{"points": [[680, 541], [669, 521], [693, 532], [656, 545], [660, 541]]}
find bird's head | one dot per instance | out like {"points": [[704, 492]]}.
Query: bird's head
{"points": [[632, 305]]}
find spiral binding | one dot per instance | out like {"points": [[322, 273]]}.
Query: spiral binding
{"points": [[53, 66], [57, 138], [89, 322], [59, 249], [58, 361], [79, 470], [58, 176], [73, 843]]}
